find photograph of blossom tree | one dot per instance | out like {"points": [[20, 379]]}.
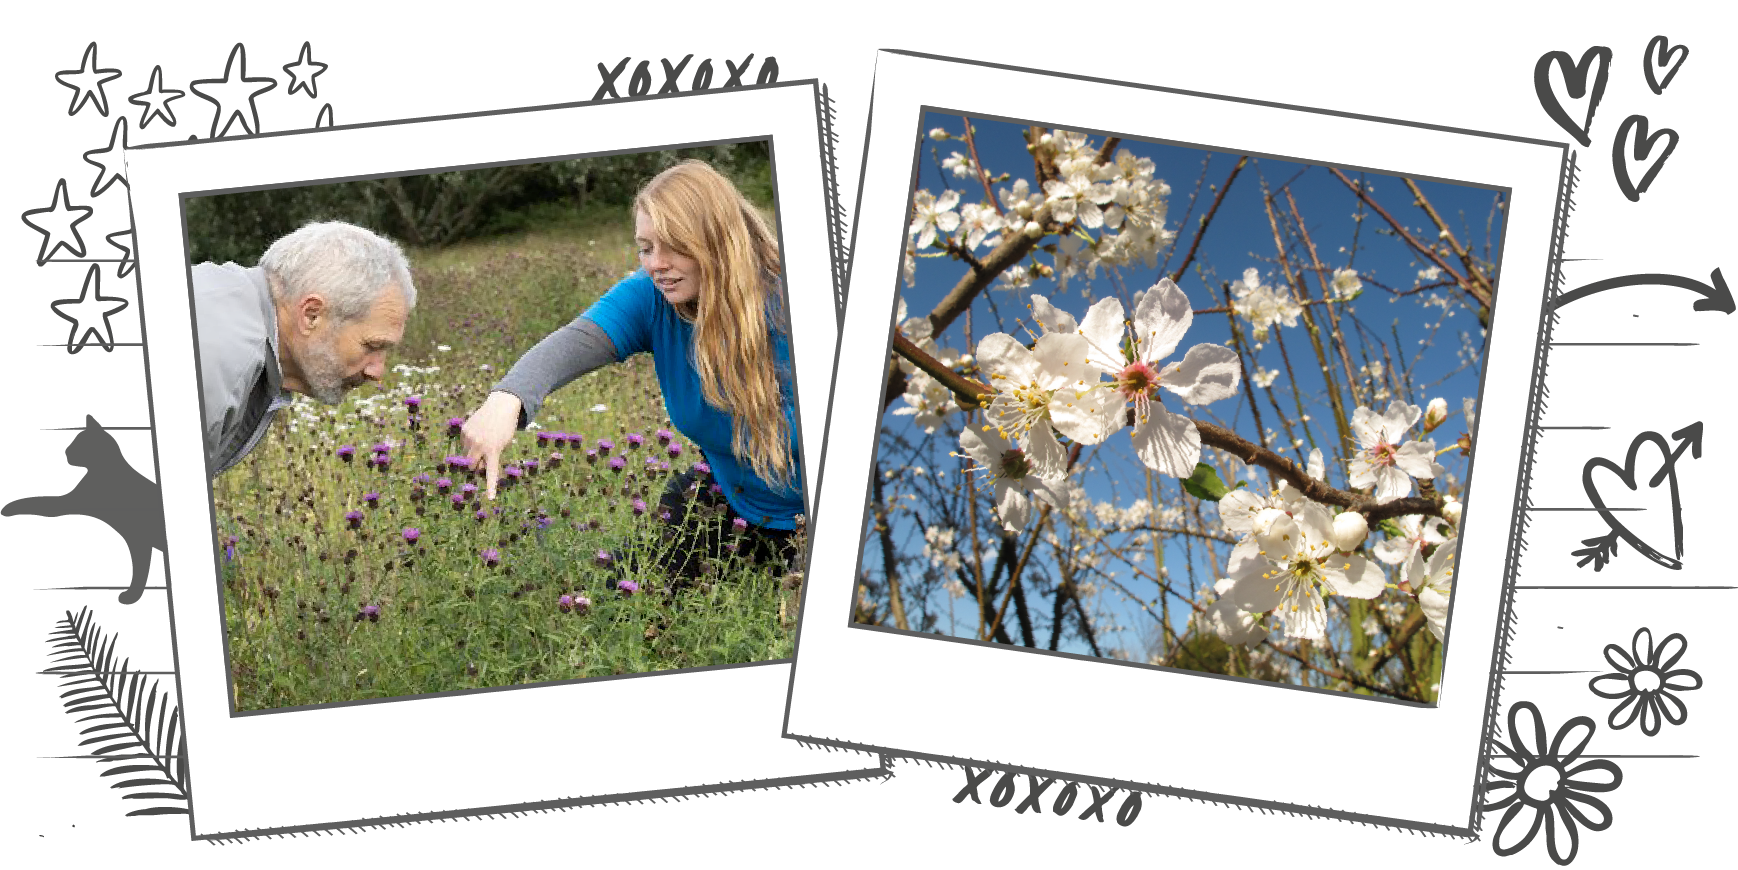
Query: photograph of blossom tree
{"points": [[1180, 407]]}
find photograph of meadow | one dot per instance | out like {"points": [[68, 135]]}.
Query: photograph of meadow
{"points": [[1180, 407], [360, 558]]}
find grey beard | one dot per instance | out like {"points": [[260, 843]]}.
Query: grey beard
{"points": [[324, 374]]}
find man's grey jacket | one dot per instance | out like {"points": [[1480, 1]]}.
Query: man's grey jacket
{"points": [[236, 330]]}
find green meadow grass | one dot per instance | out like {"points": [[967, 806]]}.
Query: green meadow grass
{"points": [[299, 581]]}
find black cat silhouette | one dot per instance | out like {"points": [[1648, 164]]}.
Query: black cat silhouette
{"points": [[110, 491]]}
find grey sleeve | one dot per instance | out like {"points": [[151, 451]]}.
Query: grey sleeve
{"points": [[565, 354]]}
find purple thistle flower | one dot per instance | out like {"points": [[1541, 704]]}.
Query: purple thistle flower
{"points": [[702, 467], [454, 424], [372, 499], [413, 402], [639, 507], [739, 524], [443, 484], [382, 462], [370, 612], [354, 518], [454, 463], [491, 557], [482, 515], [467, 490], [605, 558], [544, 522], [591, 456], [594, 524], [512, 471], [229, 552], [674, 449], [665, 435], [531, 466], [663, 466], [458, 499], [347, 453], [575, 440], [627, 587], [383, 447], [730, 546], [425, 477], [635, 439], [543, 438], [617, 464], [411, 534], [581, 603], [565, 602], [555, 460], [715, 489], [604, 446], [664, 515]]}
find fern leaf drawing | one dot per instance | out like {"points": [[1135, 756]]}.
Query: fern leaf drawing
{"points": [[131, 726]]}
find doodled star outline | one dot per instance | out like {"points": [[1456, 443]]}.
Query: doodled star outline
{"points": [[55, 225], [87, 82], [231, 92], [87, 310], [156, 100], [304, 61], [128, 257], [111, 164]]}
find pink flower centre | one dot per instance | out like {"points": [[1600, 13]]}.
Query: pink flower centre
{"points": [[1014, 464], [1383, 454], [1138, 379]]}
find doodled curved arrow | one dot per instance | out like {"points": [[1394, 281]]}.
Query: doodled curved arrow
{"points": [[1715, 296]]}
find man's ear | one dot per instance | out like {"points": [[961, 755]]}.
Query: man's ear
{"points": [[309, 310]]}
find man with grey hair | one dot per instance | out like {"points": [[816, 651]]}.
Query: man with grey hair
{"points": [[316, 317]]}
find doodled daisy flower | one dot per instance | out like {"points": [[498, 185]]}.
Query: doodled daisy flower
{"points": [[1645, 681], [1382, 460], [1548, 789], [1167, 443]]}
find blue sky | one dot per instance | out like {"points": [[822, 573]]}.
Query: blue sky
{"points": [[1431, 334]]}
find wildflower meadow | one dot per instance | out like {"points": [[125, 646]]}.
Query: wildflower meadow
{"points": [[360, 558], [1193, 409]]}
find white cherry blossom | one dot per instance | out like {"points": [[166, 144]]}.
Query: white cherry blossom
{"points": [[1347, 285], [960, 164], [932, 213], [1416, 533], [1231, 623], [1167, 443], [1382, 460], [977, 221], [1019, 200], [1032, 390], [1077, 198], [1433, 581], [1012, 475], [927, 401], [1262, 305], [1298, 563]]}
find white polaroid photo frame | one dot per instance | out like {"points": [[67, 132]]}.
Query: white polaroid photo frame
{"points": [[498, 750], [1140, 726]]}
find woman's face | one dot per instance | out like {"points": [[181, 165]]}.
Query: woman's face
{"points": [[676, 276]]}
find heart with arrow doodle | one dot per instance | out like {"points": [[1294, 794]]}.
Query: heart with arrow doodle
{"points": [[1645, 479]]}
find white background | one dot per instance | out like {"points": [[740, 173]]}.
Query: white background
{"points": [[1469, 65]]}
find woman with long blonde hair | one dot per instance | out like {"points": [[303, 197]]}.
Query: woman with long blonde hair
{"points": [[708, 304]]}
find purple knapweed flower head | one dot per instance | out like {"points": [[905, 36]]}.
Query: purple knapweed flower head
{"points": [[413, 402], [674, 449], [458, 499], [354, 518], [491, 557], [545, 522], [565, 602], [370, 612], [411, 534], [372, 499], [663, 466], [639, 507], [382, 462], [665, 435], [467, 490], [530, 466], [543, 438], [455, 463], [617, 463], [604, 446], [454, 424], [664, 515], [739, 525], [730, 546], [443, 483], [482, 515], [513, 471], [383, 447], [635, 439], [347, 453], [555, 460], [627, 587], [425, 477], [605, 558], [715, 489], [702, 467], [591, 456], [581, 603]]}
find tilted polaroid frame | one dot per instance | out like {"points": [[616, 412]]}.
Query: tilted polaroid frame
{"points": [[1140, 726], [496, 750]]}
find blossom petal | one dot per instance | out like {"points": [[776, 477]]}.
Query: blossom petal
{"points": [[1161, 320], [1435, 607], [1362, 579], [1560, 832], [1571, 739], [1591, 812], [1417, 458], [1391, 483], [1208, 373], [1234, 625], [1670, 650], [1619, 659], [1279, 535], [1304, 614], [1672, 708], [1650, 716], [1237, 510], [1258, 591], [1245, 559], [1012, 506], [1051, 318], [1399, 417], [1168, 443], [947, 201], [1103, 330], [1004, 356], [1393, 551], [1063, 362], [1046, 489], [1367, 426], [987, 454], [1682, 681], [1624, 714], [1643, 646], [1524, 722], [1045, 455]]}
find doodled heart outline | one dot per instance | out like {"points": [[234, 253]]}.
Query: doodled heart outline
{"points": [[1689, 437], [1575, 79], [1644, 146], [1659, 47]]}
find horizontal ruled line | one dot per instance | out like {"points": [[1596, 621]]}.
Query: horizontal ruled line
{"points": [[1612, 509], [112, 344], [88, 588], [1553, 672], [99, 426], [1571, 427], [1626, 587], [1624, 344]]}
